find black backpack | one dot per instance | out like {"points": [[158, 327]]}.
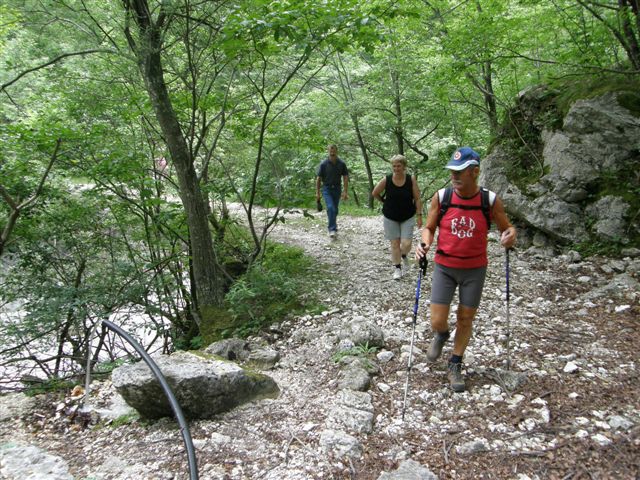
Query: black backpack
{"points": [[487, 199]]}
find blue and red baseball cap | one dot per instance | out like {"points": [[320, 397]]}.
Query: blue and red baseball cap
{"points": [[462, 158]]}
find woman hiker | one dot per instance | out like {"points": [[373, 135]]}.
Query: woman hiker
{"points": [[401, 206]]}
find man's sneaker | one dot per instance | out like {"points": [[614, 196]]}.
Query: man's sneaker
{"points": [[397, 273], [435, 348], [456, 380], [332, 233]]}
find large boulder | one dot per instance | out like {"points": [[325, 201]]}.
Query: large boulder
{"points": [[537, 207], [257, 356], [585, 166], [235, 349], [203, 385]]}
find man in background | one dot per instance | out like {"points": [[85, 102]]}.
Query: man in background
{"points": [[332, 178]]}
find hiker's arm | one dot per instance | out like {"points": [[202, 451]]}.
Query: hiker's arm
{"points": [[429, 231], [377, 191], [345, 191], [508, 232], [417, 200]]}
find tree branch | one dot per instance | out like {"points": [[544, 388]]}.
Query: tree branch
{"points": [[515, 54], [16, 208], [51, 62]]}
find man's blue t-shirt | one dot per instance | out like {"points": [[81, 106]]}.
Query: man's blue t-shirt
{"points": [[330, 173]]}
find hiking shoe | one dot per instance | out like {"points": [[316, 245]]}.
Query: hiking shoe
{"points": [[397, 273], [435, 348], [332, 234], [456, 380]]}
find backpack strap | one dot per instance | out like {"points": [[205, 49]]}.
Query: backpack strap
{"points": [[444, 197], [487, 199], [383, 195]]}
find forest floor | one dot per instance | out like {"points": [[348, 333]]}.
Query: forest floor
{"points": [[575, 332]]}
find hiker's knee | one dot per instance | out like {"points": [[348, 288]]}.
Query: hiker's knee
{"points": [[439, 316], [465, 316]]}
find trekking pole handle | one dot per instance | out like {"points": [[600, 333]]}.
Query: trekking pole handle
{"points": [[423, 260]]}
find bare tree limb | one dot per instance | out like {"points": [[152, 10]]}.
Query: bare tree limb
{"points": [[414, 145], [515, 54], [51, 62]]}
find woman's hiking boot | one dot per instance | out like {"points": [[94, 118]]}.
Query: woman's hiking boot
{"points": [[456, 380], [435, 348]]}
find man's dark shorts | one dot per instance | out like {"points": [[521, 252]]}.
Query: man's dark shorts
{"points": [[470, 282]]}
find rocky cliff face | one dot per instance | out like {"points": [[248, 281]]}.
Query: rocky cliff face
{"points": [[574, 178]]}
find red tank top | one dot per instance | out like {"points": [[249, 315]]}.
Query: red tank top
{"points": [[462, 234]]}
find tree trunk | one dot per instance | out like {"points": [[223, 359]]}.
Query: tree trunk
{"points": [[490, 98], [205, 269], [399, 128], [349, 99], [367, 163], [624, 34], [629, 9], [207, 274]]}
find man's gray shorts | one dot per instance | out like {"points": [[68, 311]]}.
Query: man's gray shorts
{"points": [[394, 230], [469, 280]]}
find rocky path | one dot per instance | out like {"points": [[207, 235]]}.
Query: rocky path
{"points": [[575, 331]]}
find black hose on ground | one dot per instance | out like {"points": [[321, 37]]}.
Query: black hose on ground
{"points": [[175, 406]]}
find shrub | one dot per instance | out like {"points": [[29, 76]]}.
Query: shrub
{"points": [[274, 287]]}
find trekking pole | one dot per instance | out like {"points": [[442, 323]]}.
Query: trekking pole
{"points": [[422, 272], [508, 319]]}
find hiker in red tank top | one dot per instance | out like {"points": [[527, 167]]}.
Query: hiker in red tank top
{"points": [[461, 256], [462, 238]]}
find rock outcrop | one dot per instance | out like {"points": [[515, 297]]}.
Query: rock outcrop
{"points": [[587, 168]]}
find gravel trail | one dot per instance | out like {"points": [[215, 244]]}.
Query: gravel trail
{"points": [[575, 330]]}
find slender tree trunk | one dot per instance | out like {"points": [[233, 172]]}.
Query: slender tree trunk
{"points": [[206, 275], [349, 99], [486, 88], [16, 207], [71, 317], [625, 35], [490, 97], [399, 128], [367, 162]]}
